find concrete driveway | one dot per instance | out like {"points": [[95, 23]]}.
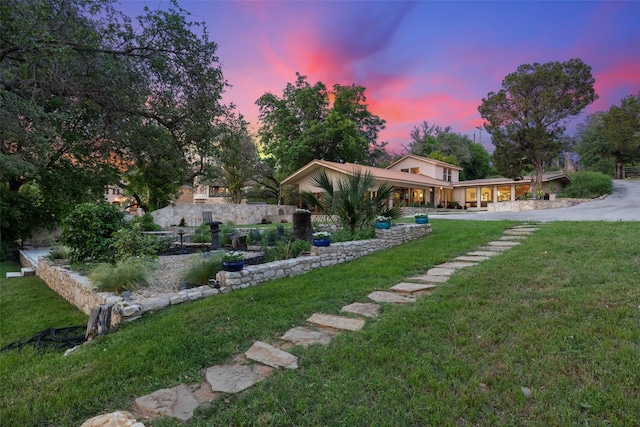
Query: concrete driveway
{"points": [[623, 204]]}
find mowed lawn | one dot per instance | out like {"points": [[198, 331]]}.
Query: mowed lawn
{"points": [[546, 334]]}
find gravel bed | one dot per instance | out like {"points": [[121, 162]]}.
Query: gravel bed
{"points": [[167, 277]]}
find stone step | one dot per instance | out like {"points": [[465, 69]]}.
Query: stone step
{"points": [[472, 258], [456, 265], [366, 309], [438, 271], [390, 297], [27, 271], [336, 322], [525, 228], [271, 356], [427, 278], [413, 288], [306, 337], [13, 274], [518, 232], [514, 237], [177, 402], [236, 378], [489, 254], [502, 243], [494, 248]]}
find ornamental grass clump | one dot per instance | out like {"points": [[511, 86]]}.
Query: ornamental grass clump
{"points": [[204, 268], [126, 275]]}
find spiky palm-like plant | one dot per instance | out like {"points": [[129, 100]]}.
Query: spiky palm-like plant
{"points": [[353, 200]]}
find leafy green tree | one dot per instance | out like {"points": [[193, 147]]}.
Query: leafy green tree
{"points": [[354, 201], [622, 131], [237, 158], [436, 142], [312, 122], [592, 146], [526, 118], [81, 87]]}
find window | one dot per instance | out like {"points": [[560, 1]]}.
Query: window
{"points": [[415, 171], [521, 191], [504, 193], [404, 170], [486, 193], [446, 174]]}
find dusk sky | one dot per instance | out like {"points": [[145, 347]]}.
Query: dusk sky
{"points": [[419, 61]]}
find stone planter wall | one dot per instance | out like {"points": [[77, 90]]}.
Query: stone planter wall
{"points": [[337, 253], [73, 287], [78, 290]]}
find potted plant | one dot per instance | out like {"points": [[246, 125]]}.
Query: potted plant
{"points": [[383, 222], [321, 238], [421, 218], [233, 261]]}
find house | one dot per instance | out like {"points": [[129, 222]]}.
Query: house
{"points": [[421, 181]]}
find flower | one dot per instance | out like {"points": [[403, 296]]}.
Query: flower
{"points": [[420, 215], [233, 256], [321, 235], [382, 218]]}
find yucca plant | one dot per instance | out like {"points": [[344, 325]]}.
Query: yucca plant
{"points": [[125, 275], [353, 200]]}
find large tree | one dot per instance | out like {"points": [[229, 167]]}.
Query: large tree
{"points": [[436, 142], [526, 118], [622, 132], [311, 122], [592, 146], [86, 95]]}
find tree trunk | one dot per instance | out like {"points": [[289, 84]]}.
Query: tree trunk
{"points": [[619, 173]]}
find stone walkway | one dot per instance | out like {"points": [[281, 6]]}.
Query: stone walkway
{"points": [[263, 359]]}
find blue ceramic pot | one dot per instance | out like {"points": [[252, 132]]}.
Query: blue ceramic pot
{"points": [[383, 225], [321, 242], [232, 265], [422, 220]]}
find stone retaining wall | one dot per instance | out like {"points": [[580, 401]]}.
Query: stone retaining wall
{"points": [[74, 287], [191, 213], [529, 205], [78, 290]]}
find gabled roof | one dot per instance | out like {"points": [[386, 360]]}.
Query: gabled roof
{"points": [[425, 160], [395, 178]]}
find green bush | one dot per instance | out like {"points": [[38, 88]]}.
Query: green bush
{"points": [[254, 237], [126, 275], [203, 269], [588, 185], [146, 223], [226, 231], [285, 250], [202, 234], [60, 252], [129, 242], [89, 229], [347, 236]]}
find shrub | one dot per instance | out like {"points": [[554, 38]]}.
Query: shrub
{"points": [[202, 234], [276, 235], [588, 185], [129, 242], [226, 231], [126, 275], [59, 252], [88, 231], [285, 250], [254, 237], [203, 269], [146, 223]]}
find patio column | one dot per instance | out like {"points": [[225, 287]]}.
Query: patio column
{"points": [[478, 197]]}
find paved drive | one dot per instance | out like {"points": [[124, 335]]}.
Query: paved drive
{"points": [[623, 204]]}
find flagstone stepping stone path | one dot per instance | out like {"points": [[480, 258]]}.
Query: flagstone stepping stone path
{"points": [[263, 359]]}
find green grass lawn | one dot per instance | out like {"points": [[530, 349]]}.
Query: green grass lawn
{"points": [[559, 315]]}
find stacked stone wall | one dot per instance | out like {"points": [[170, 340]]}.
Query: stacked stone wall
{"points": [[78, 290], [191, 213], [529, 205]]}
